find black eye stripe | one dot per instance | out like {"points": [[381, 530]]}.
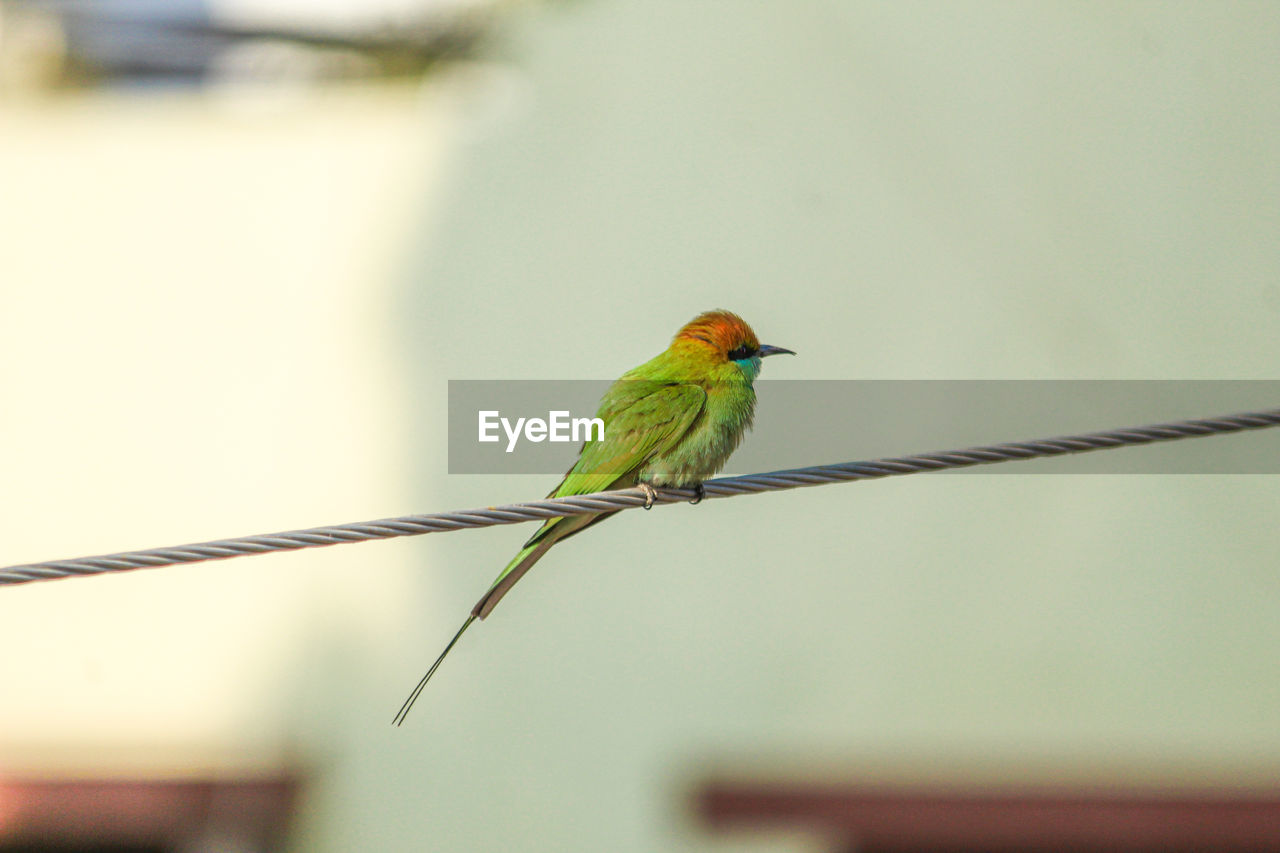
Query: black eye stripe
{"points": [[742, 352]]}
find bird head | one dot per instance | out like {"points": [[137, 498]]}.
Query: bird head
{"points": [[725, 338]]}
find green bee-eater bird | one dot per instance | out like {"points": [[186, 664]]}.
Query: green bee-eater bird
{"points": [[672, 421]]}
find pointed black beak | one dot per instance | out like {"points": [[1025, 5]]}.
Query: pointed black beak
{"points": [[767, 349]]}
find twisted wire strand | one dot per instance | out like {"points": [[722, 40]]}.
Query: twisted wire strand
{"points": [[725, 487]]}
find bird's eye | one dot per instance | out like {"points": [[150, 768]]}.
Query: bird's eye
{"points": [[742, 352]]}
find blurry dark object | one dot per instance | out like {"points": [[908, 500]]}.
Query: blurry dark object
{"points": [[184, 43], [1113, 818], [246, 815]]}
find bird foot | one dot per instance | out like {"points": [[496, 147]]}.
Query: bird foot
{"points": [[700, 492], [650, 495]]}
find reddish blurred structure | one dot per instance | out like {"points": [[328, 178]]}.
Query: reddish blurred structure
{"points": [[152, 816], [881, 819]]}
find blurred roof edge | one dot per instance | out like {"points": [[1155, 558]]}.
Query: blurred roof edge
{"points": [[52, 44]]}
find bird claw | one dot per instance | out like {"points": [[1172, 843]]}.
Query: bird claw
{"points": [[700, 492], [650, 495]]}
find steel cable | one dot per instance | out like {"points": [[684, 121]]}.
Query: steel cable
{"points": [[725, 487]]}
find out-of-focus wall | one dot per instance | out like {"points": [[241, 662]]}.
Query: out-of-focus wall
{"points": [[194, 340], [921, 190], [219, 324]]}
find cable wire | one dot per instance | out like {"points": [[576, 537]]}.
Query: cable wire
{"points": [[725, 487]]}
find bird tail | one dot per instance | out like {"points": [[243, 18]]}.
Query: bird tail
{"points": [[549, 534], [553, 531], [413, 697], [521, 563]]}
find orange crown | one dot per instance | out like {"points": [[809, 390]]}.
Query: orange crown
{"points": [[724, 330]]}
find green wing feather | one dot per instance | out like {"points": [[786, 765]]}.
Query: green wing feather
{"points": [[643, 420]]}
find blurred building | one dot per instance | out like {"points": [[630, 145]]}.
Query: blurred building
{"points": [[151, 153], [189, 42]]}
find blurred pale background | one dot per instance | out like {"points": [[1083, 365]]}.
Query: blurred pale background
{"points": [[231, 309]]}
